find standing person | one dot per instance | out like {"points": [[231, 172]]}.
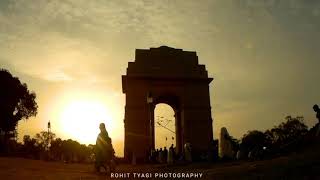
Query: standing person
{"points": [[152, 155], [104, 151], [165, 154], [187, 152], [156, 155], [160, 156], [317, 110], [170, 155]]}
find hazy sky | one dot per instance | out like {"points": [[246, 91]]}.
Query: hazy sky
{"points": [[263, 54]]}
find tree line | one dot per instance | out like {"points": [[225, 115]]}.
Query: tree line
{"points": [[291, 135], [46, 146]]}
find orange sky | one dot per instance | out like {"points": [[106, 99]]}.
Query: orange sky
{"points": [[264, 56]]}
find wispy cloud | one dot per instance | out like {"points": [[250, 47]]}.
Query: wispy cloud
{"points": [[261, 53]]}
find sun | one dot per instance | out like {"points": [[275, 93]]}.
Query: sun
{"points": [[80, 120]]}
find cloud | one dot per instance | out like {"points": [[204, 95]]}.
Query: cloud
{"points": [[51, 39], [261, 53]]}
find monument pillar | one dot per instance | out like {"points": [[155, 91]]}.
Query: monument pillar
{"points": [[171, 76]]}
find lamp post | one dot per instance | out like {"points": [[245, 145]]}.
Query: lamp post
{"points": [[49, 136], [48, 142], [151, 119]]}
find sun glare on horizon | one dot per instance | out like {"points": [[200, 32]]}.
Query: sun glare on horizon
{"points": [[80, 120]]}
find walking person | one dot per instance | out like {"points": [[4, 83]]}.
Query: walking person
{"points": [[104, 150]]}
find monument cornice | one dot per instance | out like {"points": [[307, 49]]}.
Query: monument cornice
{"points": [[164, 78]]}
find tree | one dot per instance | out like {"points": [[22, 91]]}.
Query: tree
{"points": [[253, 144], [253, 139], [293, 128], [16, 103], [70, 150], [30, 147], [56, 149], [44, 138], [286, 137], [289, 135], [287, 131]]}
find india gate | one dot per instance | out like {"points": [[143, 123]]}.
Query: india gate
{"points": [[171, 76]]}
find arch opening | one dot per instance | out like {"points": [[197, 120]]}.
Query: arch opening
{"points": [[164, 126]]}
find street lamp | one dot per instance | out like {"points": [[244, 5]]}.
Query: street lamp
{"points": [[149, 98], [49, 136], [151, 119]]}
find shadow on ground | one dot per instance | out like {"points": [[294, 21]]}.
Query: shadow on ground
{"points": [[299, 165]]}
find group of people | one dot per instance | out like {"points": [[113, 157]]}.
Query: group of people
{"points": [[163, 155], [170, 156]]}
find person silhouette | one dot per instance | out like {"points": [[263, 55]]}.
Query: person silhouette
{"points": [[157, 156], [187, 152], [170, 155], [160, 156], [317, 110], [104, 150], [165, 154]]}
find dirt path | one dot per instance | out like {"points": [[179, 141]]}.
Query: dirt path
{"points": [[297, 166], [23, 169]]}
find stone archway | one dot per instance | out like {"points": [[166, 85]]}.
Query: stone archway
{"points": [[171, 76]]}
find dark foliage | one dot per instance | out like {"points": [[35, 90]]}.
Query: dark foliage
{"points": [[254, 139], [283, 138], [45, 146], [16, 103]]}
